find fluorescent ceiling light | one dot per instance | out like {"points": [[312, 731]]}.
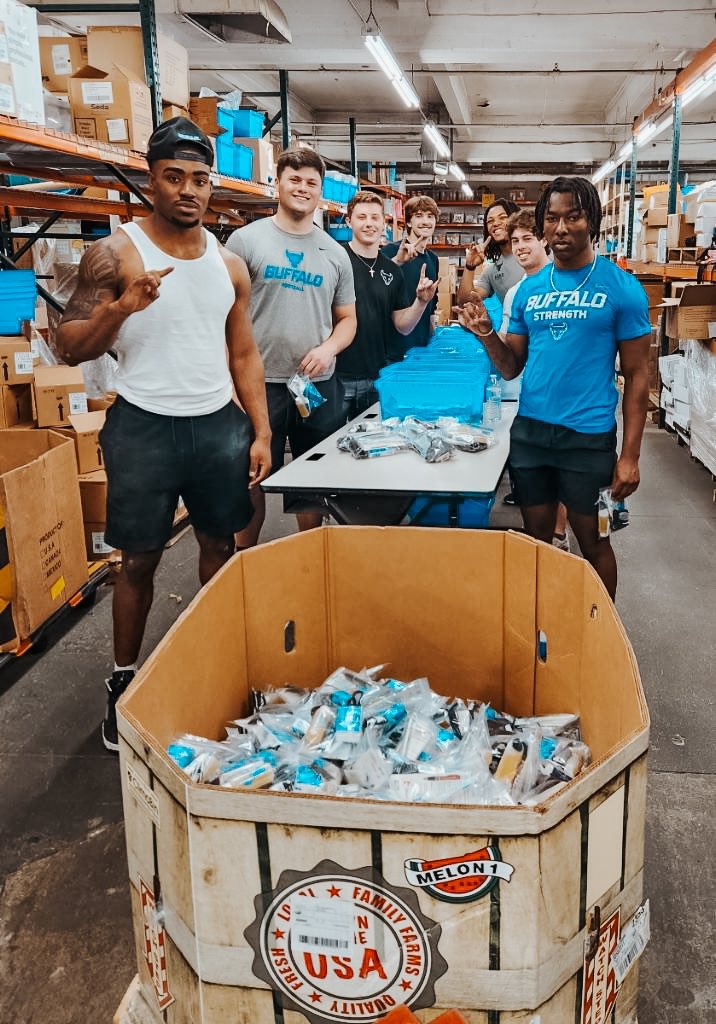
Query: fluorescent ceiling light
{"points": [[467, 190], [440, 169], [698, 88], [603, 171], [385, 60], [457, 172], [437, 138], [625, 151]]}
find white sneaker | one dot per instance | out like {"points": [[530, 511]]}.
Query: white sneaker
{"points": [[561, 541]]}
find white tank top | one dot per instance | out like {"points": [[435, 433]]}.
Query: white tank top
{"points": [[172, 356]]}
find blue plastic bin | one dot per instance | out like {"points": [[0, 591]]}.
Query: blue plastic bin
{"points": [[341, 232], [241, 124], [18, 295], [432, 394], [472, 513]]}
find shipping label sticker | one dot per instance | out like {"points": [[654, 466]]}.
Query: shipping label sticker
{"points": [[633, 942], [97, 94], [599, 987], [57, 588], [155, 946], [61, 60], [78, 401], [143, 794], [98, 544], [117, 130], [344, 946], [23, 363], [460, 879]]}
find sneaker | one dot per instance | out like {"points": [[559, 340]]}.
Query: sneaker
{"points": [[116, 685], [509, 498], [561, 541]]}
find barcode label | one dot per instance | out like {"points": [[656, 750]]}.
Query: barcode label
{"points": [[23, 363], [320, 940], [632, 943], [319, 923]]}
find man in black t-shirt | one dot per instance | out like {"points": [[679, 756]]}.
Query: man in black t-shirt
{"points": [[414, 258], [383, 304]]}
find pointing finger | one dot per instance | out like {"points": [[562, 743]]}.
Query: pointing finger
{"points": [[163, 273]]}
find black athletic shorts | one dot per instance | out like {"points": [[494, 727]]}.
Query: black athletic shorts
{"points": [[303, 434], [152, 460], [550, 463]]}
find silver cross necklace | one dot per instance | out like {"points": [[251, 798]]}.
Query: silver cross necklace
{"points": [[370, 266]]}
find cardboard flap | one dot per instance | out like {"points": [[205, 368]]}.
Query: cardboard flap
{"points": [[693, 294], [89, 72], [127, 73], [58, 376], [87, 422]]}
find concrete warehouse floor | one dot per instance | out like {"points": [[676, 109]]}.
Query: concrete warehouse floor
{"points": [[66, 950]]}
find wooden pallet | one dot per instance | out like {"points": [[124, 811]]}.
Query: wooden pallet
{"points": [[681, 255]]}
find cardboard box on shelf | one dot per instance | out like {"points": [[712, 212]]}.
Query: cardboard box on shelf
{"points": [[584, 845], [111, 45], [42, 516], [690, 309], [17, 406], [677, 231], [16, 361], [60, 57], [103, 403], [59, 393], [84, 432], [111, 107], [20, 74], [655, 217], [202, 111], [170, 110], [264, 168], [649, 253]]}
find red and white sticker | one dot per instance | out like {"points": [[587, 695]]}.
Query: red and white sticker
{"points": [[600, 988], [155, 951], [344, 946]]}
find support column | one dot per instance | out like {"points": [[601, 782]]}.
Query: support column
{"points": [[151, 57]]}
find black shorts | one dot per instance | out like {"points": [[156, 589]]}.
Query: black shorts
{"points": [[303, 434], [550, 463], [152, 460]]}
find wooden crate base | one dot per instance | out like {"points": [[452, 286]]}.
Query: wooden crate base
{"points": [[134, 1009]]}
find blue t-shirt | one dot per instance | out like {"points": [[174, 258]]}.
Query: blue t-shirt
{"points": [[572, 341]]}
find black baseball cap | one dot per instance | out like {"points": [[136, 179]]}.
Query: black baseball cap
{"points": [[179, 139]]}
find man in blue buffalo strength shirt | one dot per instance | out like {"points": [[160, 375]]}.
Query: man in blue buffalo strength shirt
{"points": [[567, 325]]}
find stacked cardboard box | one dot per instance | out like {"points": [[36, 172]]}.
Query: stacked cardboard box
{"points": [[20, 75], [675, 397], [701, 377], [17, 406], [44, 550]]}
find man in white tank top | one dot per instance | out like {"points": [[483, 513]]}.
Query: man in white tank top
{"points": [[173, 305]]}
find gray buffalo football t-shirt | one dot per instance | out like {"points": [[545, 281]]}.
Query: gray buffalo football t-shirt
{"points": [[295, 282]]}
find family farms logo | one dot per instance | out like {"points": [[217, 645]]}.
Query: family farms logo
{"points": [[342, 946], [460, 879]]}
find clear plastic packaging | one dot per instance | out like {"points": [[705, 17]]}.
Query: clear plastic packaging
{"points": [[305, 394]]}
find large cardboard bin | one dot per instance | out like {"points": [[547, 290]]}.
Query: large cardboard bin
{"points": [[282, 907], [42, 551]]}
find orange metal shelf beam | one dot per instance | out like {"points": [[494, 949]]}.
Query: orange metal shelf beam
{"points": [[703, 60]]}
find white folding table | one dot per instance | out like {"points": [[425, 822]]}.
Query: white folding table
{"points": [[379, 491]]}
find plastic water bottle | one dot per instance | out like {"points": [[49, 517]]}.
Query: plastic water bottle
{"points": [[492, 409]]}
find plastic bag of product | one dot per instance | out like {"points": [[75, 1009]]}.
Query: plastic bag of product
{"points": [[374, 445], [305, 394], [427, 441], [465, 437]]}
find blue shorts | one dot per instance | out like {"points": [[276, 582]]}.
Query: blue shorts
{"points": [[152, 460]]}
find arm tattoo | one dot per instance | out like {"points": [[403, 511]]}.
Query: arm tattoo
{"points": [[97, 282]]}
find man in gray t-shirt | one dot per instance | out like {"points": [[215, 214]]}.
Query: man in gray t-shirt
{"points": [[302, 311]]}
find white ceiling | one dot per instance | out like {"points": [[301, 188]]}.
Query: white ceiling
{"points": [[525, 83]]}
